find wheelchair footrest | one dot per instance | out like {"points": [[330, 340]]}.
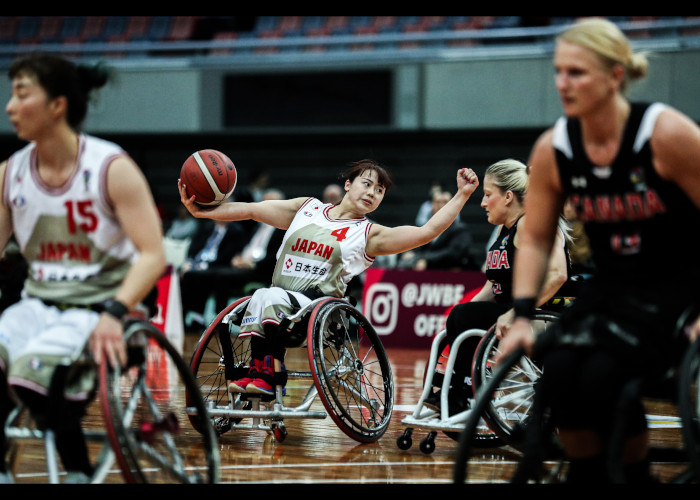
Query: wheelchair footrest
{"points": [[276, 413]]}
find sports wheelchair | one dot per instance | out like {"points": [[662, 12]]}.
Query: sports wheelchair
{"points": [[134, 416], [492, 428], [507, 397], [348, 369]]}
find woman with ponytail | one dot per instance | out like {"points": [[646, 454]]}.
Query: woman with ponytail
{"points": [[86, 223]]}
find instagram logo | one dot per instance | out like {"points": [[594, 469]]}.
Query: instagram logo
{"points": [[382, 307]]}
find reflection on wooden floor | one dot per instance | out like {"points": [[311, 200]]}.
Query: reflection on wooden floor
{"points": [[316, 451]]}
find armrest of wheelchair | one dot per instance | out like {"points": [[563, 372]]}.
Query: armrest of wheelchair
{"points": [[299, 315]]}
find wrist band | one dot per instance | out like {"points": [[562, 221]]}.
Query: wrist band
{"points": [[115, 308], [524, 307]]}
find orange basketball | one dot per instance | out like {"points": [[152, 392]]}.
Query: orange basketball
{"points": [[210, 176]]}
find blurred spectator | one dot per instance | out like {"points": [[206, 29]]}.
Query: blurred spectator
{"points": [[241, 259], [450, 250], [184, 226], [332, 193], [258, 185], [425, 211]]}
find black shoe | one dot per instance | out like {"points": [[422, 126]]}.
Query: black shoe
{"points": [[433, 401]]}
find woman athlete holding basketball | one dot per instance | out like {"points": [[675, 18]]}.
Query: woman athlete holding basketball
{"points": [[632, 172], [324, 247]]}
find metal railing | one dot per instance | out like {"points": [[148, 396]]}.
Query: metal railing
{"points": [[662, 34]]}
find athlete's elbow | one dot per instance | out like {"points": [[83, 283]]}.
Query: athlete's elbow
{"points": [[558, 279]]}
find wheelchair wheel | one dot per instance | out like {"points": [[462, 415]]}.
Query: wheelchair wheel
{"points": [[350, 369], [534, 442], [214, 352], [144, 408], [511, 401], [482, 401], [688, 409]]}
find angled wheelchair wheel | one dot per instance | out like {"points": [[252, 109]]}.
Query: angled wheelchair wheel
{"points": [[688, 405], [511, 401], [350, 369], [536, 441], [481, 402], [214, 355], [145, 411]]}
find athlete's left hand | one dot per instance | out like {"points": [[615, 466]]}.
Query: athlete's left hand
{"points": [[107, 341]]}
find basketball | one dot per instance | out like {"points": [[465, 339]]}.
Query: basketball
{"points": [[208, 175]]}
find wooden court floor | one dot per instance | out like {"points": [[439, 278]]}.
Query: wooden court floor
{"points": [[317, 452]]}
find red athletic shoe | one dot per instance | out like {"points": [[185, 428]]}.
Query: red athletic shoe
{"points": [[264, 382], [240, 385]]}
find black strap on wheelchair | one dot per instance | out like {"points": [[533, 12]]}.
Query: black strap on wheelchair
{"points": [[227, 352], [312, 293], [284, 336]]}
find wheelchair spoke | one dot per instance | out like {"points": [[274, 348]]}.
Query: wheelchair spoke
{"points": [[352, 371], [148, 403]]}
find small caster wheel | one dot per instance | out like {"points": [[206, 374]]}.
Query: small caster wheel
{"points": [[221, 425], [427, 444], [279, 431], [404, 441]]}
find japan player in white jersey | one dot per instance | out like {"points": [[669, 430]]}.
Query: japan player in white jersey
{"points": [[86, 222], [325, 246]]}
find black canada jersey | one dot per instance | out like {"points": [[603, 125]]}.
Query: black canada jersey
{"points": [[635, 220], [499, 264]]}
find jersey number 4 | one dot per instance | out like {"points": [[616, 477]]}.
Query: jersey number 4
{"points": [[340, 234]]}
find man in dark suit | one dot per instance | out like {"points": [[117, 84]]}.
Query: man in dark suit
{"points": [[449, 251], [224, 260]]}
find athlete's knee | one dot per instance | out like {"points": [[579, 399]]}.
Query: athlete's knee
{"points": [[455, 321]]}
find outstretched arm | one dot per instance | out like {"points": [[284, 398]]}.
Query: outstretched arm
{"points": [[277, 213], [388, 241]]}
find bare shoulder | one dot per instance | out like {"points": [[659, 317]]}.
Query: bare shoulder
{"points": [[675, 142], [672, 123], [543, 148], [125, 180]]}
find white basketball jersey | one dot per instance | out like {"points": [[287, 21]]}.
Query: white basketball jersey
{"points": [[320, 252], [75, 247]]}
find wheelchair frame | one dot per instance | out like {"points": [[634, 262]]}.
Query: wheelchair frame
{"points": [[352, 379], [442, 421], [142, 434]]}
